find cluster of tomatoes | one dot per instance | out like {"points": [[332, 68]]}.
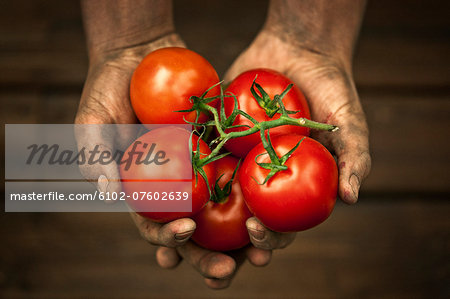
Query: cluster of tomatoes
{"points": [[297, 198]]}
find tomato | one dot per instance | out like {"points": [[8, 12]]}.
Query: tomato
{"points": [[164, 177], [273, 83], [165, 80], [295, 199], [221, 226]]}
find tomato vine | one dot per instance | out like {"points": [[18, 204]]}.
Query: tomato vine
{"points": [[221, 123]]}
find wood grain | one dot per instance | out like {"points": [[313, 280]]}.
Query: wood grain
{"points": [[386, 249], [393, 244]]}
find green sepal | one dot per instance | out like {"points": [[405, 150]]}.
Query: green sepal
{"points": [[222, 106], [209, 89], [215, 158], [222, 193], [228, 121], [289, 153], [196, 163], [292, 111], [246, 115], [264, 101], [276, 164]]}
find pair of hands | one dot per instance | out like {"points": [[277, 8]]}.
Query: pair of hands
{"points": [[328, 85]]}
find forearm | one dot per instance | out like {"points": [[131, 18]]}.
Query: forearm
{"points": [[321, 26], [113, 25]]}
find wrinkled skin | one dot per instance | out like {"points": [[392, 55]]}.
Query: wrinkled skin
{"points": [[309, 41], [105, 101]]}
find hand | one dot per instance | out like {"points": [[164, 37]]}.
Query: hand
{"points": [[327, 82], [218, 269], [105, 100]]}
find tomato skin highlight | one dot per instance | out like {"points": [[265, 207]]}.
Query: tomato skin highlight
{"points": [[165, 80], [221, 226], [273, 83], [295, 199], [174, 142]]}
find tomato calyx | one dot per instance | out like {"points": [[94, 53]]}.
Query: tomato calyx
{"points": [[200, 105], [270, 106], [220, 195], [276, 164]]}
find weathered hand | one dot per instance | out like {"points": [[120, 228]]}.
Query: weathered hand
{"points": [[328, 85], [217, 268], [105, 100]]}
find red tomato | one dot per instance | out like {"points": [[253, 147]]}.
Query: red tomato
{"points": [[139, 177], [297, 198], [273, 83], [221, 226], [165, 80]]}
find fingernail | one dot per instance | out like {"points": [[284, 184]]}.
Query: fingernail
{"points": [[257, 234], [184, 235], [354, 183], [255, 229], [102, 183]]}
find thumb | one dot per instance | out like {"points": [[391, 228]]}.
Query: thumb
{"points": [[354, 167], [352, 149]]}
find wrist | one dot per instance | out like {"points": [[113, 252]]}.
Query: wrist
{"points": [[111, 26], [328, 28]]}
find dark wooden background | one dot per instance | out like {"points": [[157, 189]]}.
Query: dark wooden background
{"points": [[394, 243]]}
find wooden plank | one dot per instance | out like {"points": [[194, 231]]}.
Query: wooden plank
{"points": [[376, 249], [405, 42], [419, 17], [409, 146], [402, 62]]}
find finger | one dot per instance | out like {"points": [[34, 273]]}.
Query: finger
{"points": [[171, 234], [167, 258], [335, 101], [351, 146], [353, 169], [258, 257], [239, 257], [222, 283], [264, 238], [217, 284], [209, 264], [217, 268]]}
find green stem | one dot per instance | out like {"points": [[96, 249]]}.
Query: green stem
{"points": [[201, 104], [216, 119], [214, 152], [261, 126], [283, 120]]}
